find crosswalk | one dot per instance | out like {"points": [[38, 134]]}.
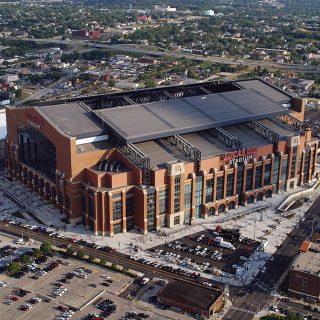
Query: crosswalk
{"points": [[243, 310]]}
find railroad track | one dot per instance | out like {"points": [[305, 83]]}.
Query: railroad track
{"points": [[116, 258]]}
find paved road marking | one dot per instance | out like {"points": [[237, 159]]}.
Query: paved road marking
{"points": [[243, 310]]}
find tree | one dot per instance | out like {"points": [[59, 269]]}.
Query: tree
{"points": [[37, 253], [80, 254], [46, 247], [114, 267], [70, 251], [25, 259], [13, 268], [91, 258], [18, 93], [111, 83], [103, 261], [125, 270]]}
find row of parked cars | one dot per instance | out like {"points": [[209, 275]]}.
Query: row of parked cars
{"points": [[196, 250], [185, 261], [166, 267]]}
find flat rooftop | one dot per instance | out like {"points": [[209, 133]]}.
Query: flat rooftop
{"points": [[155, 120], [73, 119], [189, 294], [309, 261]]}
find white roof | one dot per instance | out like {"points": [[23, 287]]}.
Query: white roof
{"points": [[3, 124]]}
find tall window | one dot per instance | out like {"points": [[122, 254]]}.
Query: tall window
{"points": [[198, 195], [230, 180], [37, 151], [176, 202], [163, 202], [284, 169], [187, 196], [151, 210], [199, 189], [129, 206], [220, 187], [239, 180], [91, 208], [306, 166], [276, 166], [267, 174], [209, 190], [299, 164], [117, 210], [294, 159], [249, 179], [258, 178]]}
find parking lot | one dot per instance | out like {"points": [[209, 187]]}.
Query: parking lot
{"points": [[59, 288], [202, 251]]}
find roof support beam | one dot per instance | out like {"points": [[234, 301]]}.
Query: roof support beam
{"points": [[128, 100], [188, 149], [205, 90], [139, 159], [263, 131], [293, 123], [229, 140]]}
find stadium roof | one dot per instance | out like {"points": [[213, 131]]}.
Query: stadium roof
{"points": [[142, 122], [144, 115]]}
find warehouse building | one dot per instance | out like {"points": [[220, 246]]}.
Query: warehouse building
{"points": [[162, 157], [304, 275]]}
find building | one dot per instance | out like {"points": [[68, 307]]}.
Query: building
{"points": [[162, 157], [10, 77], [190, 298], [144, 18], [304, 275], [89, 34], [209, 13]]}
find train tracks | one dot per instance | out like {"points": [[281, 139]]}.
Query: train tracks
{"points": [[116, 258]]}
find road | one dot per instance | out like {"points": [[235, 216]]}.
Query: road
{"points": [[214, 59], [244, 307], [78, 44], [43, 92]]}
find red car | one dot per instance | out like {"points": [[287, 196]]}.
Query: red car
{"points": [[14, 298], [61, 308], [23, 308]]}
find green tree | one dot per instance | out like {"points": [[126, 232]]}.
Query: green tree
{"points": [[80, 254], [19, 93], [103, 261], [37, 253], [46, 247], [111, 83], [13, 268], [114, 267], [92, 258], [125, 270], [25, 259], [70, 251]]}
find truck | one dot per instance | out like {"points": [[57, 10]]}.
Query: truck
{"points": [[227, 245]]}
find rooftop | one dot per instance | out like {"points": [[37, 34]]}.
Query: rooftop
{"points": [[72, 118], [309, 261], [148, 121], [148, 114], [190, 295]]}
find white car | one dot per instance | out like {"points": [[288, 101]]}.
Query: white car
{"points": [[3, 285], [19, 241]]}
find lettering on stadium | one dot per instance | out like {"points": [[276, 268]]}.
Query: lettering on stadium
{"points": [[239, 155], [34, 121]]}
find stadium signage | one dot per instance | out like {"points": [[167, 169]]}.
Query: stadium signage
{"points": [[239, 155], [34, 121]]}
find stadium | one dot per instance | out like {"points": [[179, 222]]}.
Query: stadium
{"points": [[163, 157]]}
